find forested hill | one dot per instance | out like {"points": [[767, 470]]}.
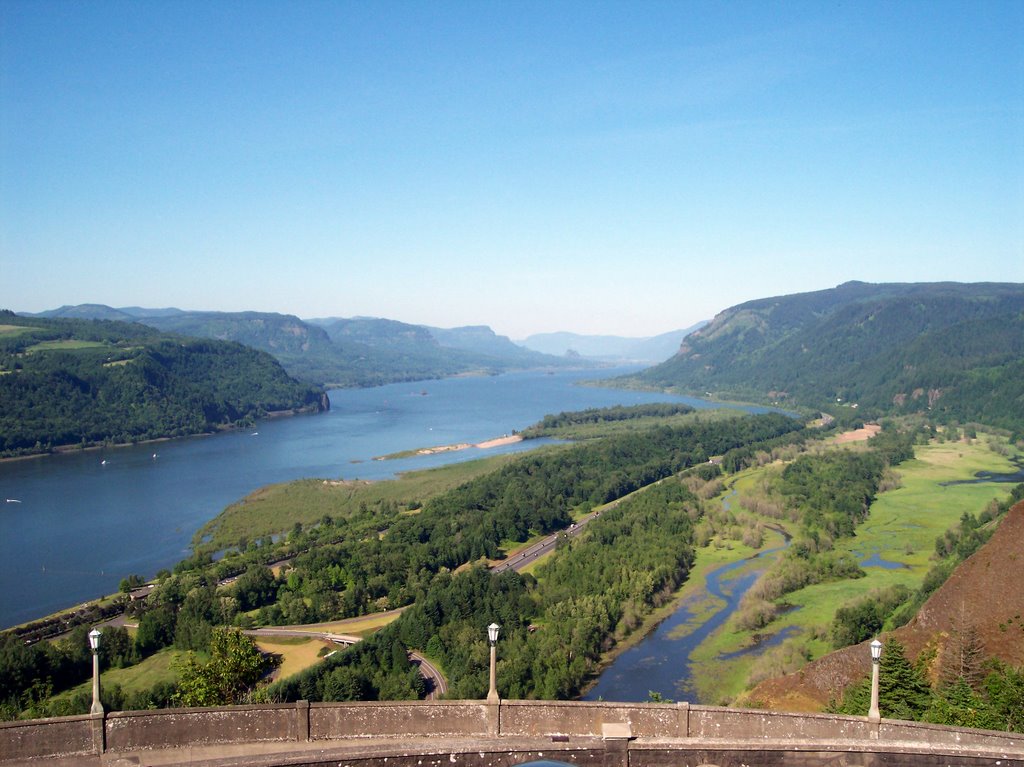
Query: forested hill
{"points": [[82, 382], [341, 352], [954, 350]]}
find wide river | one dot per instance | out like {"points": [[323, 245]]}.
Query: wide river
{"points": [[73, 525]]}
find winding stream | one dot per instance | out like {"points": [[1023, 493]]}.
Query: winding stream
{"points": [[661, 662]]}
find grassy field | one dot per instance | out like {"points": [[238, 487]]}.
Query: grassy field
{"points": [[901, 529], [276, 508], [295, 653], [68, 344], [14, 330], [363, 625], [158, 667]]}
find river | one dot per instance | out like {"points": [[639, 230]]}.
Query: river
{"points": [[661, 661], [75, 524]]}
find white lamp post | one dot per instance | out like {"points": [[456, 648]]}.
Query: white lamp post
{"points": [[94, 643], [492, 636], [876, 654]]}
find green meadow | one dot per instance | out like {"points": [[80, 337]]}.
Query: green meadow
{"points": [[143, 676], [901, 529], [276, 508], [68, 344]]}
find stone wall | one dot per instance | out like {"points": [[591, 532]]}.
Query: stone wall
{"points": [[173, 727], [63, 736], [609, 726], [416, 719]]}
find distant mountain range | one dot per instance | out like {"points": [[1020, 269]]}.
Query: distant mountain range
{"points": [[614, 349], [953, 350], [340, 351]]}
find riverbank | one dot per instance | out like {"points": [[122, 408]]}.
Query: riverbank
{"points": [[93, 447], [506, 439]]}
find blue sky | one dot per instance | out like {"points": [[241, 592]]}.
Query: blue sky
{"points": [[626, 168]]}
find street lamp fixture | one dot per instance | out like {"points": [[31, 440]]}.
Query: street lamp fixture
{"points": [[94, 643], [876, 655], [492, 636]]}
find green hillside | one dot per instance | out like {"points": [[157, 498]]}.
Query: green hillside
{"points": [[954, 350], [81, 382], [340, 352]]}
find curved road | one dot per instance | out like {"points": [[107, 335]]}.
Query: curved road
{"points": [[439, 685]]}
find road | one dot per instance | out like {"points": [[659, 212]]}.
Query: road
{"points": [[435, 679], [532, 553]]}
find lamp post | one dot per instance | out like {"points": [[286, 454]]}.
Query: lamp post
{"points": [[94, 643], [492, 636], [876, 654]]}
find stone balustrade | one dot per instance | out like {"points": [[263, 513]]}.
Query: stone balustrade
{"points": [[598, 733]]}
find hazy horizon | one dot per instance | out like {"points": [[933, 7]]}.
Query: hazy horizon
{"points": [[311, 319], [600, 168]]}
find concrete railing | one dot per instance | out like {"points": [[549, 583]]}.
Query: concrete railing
{"points": [[129, 731]]}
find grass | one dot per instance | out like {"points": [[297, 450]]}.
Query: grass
{"points": [[296, 653], [902, 527], [68, 344], [276, 508], [14, 330], [363, 625], [158, 667]]}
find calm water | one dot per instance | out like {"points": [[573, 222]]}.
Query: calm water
{"points": [[661, 661], [82, 525]]}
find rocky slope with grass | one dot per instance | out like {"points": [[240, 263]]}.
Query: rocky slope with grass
{"points": [[983, 596]]}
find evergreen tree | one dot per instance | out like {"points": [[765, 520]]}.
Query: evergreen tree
{"points": [[958, 705], [902, 691]]}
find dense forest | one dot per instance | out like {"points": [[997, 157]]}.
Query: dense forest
{"points": [[87, 382], [953, 351], [565, 424], [554, 627]]}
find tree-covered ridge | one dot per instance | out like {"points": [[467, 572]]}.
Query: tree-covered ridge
{"points": [[83, 382], [953, 350], [551, 425]]}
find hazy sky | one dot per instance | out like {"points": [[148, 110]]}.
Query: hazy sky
{"points": [[626, 168]]}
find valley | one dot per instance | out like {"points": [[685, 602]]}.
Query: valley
{"points": [[747, 547]]}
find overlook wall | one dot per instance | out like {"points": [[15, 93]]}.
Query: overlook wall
{"points": [[478, 734]]}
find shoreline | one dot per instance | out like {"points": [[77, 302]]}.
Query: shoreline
{"points": [[506, 439], [67, 449]]}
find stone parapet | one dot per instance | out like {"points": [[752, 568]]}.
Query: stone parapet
{"points": [[588, 734]]}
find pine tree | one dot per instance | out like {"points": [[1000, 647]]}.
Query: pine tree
{"points": [[902, 691], [958, 705]]}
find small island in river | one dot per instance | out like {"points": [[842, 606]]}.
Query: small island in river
{"points": [[507, 439]]}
